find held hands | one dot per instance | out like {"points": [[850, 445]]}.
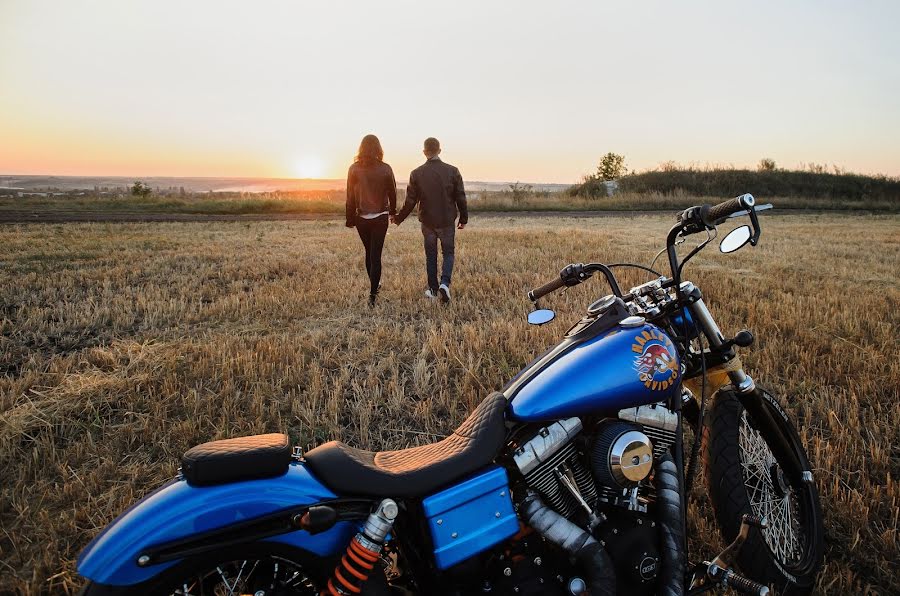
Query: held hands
{"points": [[460, 226]]}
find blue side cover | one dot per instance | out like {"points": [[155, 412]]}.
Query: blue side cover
{"points": [[177, 510], [470, 517]]}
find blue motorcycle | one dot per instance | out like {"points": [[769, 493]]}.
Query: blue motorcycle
{"points": [[572, 480]]}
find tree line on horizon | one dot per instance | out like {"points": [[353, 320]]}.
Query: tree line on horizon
{"points": [[810, 180]]}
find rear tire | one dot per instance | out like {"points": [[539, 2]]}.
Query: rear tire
{"points": [[254, 568], [743, 478]]}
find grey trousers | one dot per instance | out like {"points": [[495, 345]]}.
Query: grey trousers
{"points": [[447, 237]]}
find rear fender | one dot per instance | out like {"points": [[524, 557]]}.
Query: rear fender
{"points": [[178, 510]]}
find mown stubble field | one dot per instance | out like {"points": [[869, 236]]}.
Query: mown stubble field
{"points": [[122, 345]]}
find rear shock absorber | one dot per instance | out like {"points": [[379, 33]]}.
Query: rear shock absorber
{"points": [[362, 552]]}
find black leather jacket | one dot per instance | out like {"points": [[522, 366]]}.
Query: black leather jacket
{"points": [[371, 188], [437, 188]]}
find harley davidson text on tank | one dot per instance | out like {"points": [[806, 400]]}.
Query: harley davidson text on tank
{"points": [[571, 480]]}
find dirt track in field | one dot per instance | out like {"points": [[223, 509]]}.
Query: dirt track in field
{"points": [[105, 216], [51, 216]]}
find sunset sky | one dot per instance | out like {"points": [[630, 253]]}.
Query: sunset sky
{"points": [[531, 91]]}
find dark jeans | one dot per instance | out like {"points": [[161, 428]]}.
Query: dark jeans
{"points": [[447, 236], [372, 233]]}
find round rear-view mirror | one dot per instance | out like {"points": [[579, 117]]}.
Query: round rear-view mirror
{"points": [[541, 316], [735, 239]]}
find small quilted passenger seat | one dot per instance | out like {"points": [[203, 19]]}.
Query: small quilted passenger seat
{"points": [[233, 460]]}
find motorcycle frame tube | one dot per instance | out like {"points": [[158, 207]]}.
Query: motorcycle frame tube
{"points": [[178, 510]]}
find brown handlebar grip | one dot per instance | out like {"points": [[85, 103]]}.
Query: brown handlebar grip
{"points": [[551, 286], [726, 208]]}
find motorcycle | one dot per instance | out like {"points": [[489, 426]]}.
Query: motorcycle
{"points": [[571, 480]]}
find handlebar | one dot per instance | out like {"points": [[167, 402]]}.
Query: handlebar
{"points": [[572, 275], [551, 286], [731, 206], [705, 217], [690, 221]]}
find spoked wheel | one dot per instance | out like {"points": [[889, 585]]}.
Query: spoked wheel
{"points": [[260, 577], [257, 572], [743, 477]]}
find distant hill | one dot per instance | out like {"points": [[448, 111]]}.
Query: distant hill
{"points": [[723, 182], [199, 184]]}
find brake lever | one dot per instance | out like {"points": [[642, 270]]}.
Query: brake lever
{"points": [[756, 229]]}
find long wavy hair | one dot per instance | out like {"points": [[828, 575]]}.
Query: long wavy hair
{"points": [[369, 150]]}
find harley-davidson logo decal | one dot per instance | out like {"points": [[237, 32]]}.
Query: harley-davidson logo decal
{"points": [[655, 362]]}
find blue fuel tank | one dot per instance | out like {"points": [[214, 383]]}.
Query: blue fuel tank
{"points": [[622, 367]]}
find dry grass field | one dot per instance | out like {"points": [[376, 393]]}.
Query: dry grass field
{"points": [[121, 345]]}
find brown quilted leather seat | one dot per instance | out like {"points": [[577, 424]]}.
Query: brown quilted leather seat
{"points": [[417, 471]]}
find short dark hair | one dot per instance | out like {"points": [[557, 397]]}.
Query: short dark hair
{"points": [[432, 145], [370, 150]]}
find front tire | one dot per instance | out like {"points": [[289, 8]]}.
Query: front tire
{"points": [[743, 478]]}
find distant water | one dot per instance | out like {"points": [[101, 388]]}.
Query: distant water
{"points": [[217, 184]]}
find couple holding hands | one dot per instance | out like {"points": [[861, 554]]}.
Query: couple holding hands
{"points": [[436, 187]]}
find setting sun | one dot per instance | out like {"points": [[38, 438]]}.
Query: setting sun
{"points": [[309, 167]]}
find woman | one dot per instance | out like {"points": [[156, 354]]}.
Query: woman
{"points": [[371, 203]]}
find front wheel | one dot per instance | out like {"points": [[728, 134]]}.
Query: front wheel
{"points": [[743, 477]]}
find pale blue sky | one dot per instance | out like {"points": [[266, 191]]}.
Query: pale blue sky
{"points": [[524, 90]]}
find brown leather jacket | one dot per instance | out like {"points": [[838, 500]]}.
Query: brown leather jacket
{"points": [[371, 188], [438, 189]]}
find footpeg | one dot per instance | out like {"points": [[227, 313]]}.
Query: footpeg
{"points": [[718, 572]]}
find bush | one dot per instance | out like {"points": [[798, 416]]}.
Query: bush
{"points": [[141, 190], [766, 165], [591, 187]]}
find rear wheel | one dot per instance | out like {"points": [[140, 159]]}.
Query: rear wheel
{"points": [[743, 477], [258, 570]]}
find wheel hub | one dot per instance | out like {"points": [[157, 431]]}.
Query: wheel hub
{"points": [[779, 482]]}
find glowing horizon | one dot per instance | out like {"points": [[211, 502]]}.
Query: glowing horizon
{"points": [[529, 91]]}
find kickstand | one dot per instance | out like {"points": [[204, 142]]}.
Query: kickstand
{"points": [[718, 573]]}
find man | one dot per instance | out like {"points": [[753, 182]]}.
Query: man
{"points": [[437, 188]]}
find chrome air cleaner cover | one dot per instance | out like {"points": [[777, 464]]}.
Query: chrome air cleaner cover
{"points": [[622, 455]]}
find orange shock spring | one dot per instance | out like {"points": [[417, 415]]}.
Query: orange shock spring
{"points": [[354, 568], [362, 553]]}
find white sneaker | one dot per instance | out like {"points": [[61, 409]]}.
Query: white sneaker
{"points": [[430, 295], [444, 291]]}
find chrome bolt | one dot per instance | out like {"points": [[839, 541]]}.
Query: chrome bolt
{"points": [[143, 560], [454, 535], [537, 561], [440, 522], [640, 522], [389, 509], [260, 593], [502, 493], [497, 515], [507, 572]]}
